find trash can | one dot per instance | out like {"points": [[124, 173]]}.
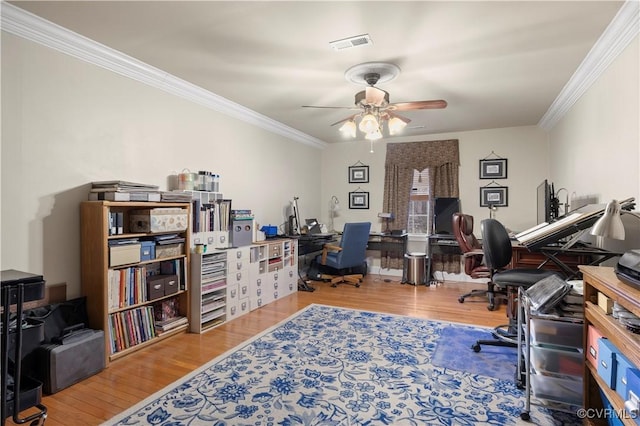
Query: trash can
{"points": [[416, 268]]}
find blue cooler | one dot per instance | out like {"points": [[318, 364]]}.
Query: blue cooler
{"points": [[607, 361]]}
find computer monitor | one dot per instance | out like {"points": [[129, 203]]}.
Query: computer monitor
{"points": [[313, 226], [543, 194], [443, 210]]}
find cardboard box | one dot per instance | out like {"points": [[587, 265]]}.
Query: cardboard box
{"points": [[593, 334], [147, 250], [169, 250], [621, 374], [155, 286], [607, 361], [605, 303], [124, 254], [158, 220], [171, 284]]}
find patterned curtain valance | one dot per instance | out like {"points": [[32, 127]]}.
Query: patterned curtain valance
{"points": [[423, 155]]}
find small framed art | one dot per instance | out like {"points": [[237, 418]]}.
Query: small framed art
{"points": [[358, 174], [359, 200], [497, 196], [495, 168]]}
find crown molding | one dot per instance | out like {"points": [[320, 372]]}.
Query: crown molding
{"points": [[616, 37], [31, 27]]}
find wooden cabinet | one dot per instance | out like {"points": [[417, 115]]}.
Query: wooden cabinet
{"points": [[603, 280], [114, 274]]}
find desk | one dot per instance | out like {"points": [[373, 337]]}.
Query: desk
{"points": [[556, 258], [440, 244], [309, 244], [390, 245]]}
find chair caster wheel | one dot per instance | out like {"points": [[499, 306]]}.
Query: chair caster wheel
{"points": [[461, 299], [525, 416], [357, 285], [475, 347], [334, 285], [491, 307]]}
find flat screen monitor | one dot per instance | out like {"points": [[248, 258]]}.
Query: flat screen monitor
{"points": [[443, 210], [543, 194]]}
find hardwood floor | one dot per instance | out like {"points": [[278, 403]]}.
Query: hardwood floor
{"points": [[130, 379]]}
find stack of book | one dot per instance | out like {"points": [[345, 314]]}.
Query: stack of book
{"points": [[177, 196], [167, 315], [117, 190]]}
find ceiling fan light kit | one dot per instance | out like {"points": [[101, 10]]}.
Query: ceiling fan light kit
{"points": [[373, 103]]}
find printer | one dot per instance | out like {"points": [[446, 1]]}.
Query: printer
{"points": [[628, 268]]}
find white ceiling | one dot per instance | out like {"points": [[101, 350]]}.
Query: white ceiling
{"points": [[496, 63]]}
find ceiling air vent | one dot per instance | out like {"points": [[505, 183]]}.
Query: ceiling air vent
{"points": [[348, 43]]}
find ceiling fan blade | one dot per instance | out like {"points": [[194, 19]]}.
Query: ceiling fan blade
{"points": [[346, 119], [394, 115], [408, 106], [330, 107], [375, 96]]}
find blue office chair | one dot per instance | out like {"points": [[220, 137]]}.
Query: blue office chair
{"points": [[345, 263], [497, 249]]}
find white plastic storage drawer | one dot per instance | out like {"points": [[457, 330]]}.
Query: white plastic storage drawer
{"points": [[558, 333], [565, 362], [554, 389]]}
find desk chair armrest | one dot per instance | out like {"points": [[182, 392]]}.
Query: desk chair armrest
{"points": [[326, 249], [473, 253]]}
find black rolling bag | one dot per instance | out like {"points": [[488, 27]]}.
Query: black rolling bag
{"points": [[76, 355], [70, 351]]}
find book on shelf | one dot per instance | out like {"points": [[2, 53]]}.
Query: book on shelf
{"points": [[170, 323], [121, 185], [124, 196]]}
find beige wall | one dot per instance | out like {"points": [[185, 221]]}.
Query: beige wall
{"points": [[595, 148], [66, 123], [524, 147]]}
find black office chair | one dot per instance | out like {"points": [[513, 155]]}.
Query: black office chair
{"points": [[496, 246], [345, 263]]}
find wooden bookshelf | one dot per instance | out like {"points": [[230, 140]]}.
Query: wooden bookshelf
{"points": [[95, 224]]}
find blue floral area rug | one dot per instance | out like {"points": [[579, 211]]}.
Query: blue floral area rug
{"points": [[333, 366], [498, 362]]}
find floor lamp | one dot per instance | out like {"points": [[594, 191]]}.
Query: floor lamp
{"points": [[334, 206]]}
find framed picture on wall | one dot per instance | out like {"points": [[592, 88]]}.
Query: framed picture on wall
{"points": [[497, 196], [358, 174], [495, 168], [359, 200]]}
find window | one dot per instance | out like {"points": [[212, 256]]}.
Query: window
{"points": [[419, 219]]}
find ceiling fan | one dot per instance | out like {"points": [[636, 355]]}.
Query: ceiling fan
{"points": [[373, 104]]}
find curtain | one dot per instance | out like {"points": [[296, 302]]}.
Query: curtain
{"points": [[442, 159]]}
